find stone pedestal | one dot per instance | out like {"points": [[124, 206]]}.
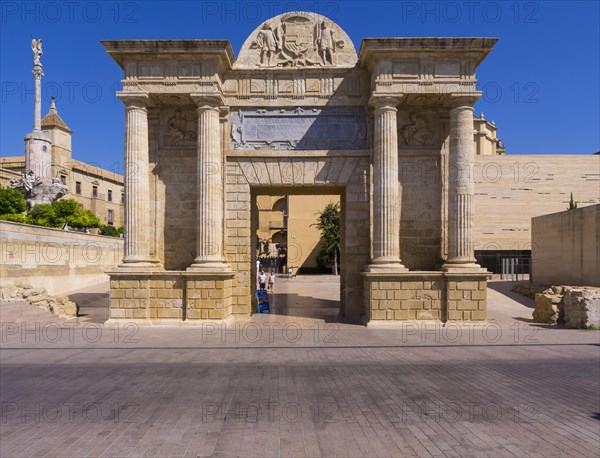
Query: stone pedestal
{"points": [[137, 253], [386, 188], [418, 295], [169, 297]]}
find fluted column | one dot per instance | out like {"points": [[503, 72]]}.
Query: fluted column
{"points": [[386, 187], [461, 190], [137, 186], [209, 179]]}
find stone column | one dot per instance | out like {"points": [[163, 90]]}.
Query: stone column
{"points": [[137, 185], [386, 187], [461, 190], [209, 179], [37, 111], [38, 147]]}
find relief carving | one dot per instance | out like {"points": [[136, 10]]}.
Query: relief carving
{"points": [[417, 132], [297, 40], [181, 128]]}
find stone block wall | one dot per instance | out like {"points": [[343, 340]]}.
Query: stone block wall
{"points": [[513, 188], [208, 298], [466, 297], [54, 259], [163, 297], [567, 247], [425, 296]]}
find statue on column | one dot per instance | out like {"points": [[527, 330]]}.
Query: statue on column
{"points": [[42, 188], [36, 47]]}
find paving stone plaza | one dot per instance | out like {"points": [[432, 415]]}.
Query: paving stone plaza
{"points": [[298, 383]]}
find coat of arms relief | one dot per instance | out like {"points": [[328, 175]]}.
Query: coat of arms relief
{"points": [[297, 40]]}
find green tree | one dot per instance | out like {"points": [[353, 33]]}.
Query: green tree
{"points": [[111, 231], [12, 202], [84, 219], [42, 215], [572, 203], [64, 210], [60, 212], [328, 222], [18, 218]]}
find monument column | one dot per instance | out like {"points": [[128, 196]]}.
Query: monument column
{"points": [[38, 146], [137, 185], [461, 190], [386, 187], [209, 179]]}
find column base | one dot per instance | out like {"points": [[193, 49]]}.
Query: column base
{"points": [[467, 267], [208, 267], [134, 266], [386, 265]]}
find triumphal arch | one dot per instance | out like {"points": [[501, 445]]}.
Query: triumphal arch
{"points": [[389, 129]]}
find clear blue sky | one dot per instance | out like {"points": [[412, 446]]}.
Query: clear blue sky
{"points": [[541, 80]]}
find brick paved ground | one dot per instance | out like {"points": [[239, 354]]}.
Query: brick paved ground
{"points": [[298, 384]]}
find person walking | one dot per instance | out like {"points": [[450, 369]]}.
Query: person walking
{"points": [[262, 280], [272, 282]]}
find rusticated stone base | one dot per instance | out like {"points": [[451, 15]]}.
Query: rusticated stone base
{"points": [[418, 295], [170, 297]]}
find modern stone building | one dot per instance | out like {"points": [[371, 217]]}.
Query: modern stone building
{"points": [[299, 113], [97, 189]]}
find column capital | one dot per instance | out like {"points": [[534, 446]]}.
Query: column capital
{"points": [[134, 99], [386, 102], [206, 101], [463, 101]]}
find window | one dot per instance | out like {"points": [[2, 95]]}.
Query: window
{"points": [[63, 179], [110, 217], [110, 195], [78, 187], [122, 197], [95, 191]]}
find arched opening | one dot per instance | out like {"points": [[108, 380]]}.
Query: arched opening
{"points": [[307, 293]]}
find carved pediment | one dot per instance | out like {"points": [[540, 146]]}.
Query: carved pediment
{"points": [[297, 39]]}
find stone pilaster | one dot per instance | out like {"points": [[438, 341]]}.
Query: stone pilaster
{"points": [[461, 190], [386, 187], [137, 252], [209, 241]]}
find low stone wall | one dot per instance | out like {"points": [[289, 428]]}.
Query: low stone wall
{"points": [[566, 247], [59, 261], [426, 296]]}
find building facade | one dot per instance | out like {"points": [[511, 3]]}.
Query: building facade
{"points": [[96, 189], [299, 113]]}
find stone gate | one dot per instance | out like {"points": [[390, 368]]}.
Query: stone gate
{"points": [[389, 129]]}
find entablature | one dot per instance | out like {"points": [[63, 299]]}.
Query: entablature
{"points": [[155, 66], [423, 66]]}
